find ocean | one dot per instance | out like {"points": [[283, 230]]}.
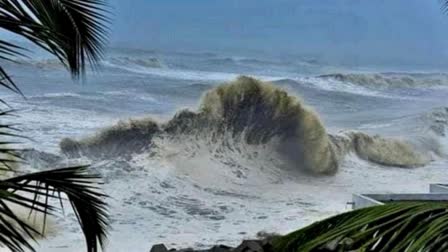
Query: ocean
{"points": [[193, 155]]}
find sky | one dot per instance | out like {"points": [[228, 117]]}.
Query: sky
{"points": [[376, 30], [338, 30]]}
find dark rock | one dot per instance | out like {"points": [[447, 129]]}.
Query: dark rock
{"points": [[220, 248], [159, 248], [250, 246], [268, 247], [186, 250], [261, 245]]}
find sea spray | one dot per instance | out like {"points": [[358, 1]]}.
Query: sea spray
{"points": [[123, 139], [263, 113], [244, 115], [246, 109]]}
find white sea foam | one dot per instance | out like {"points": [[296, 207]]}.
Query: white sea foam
{"points": [[188, 192], [183, 74]]}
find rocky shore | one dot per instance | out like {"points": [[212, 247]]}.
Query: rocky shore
{"points": [[246, 246], [263, 243]]}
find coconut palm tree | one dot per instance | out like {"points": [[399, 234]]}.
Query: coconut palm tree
{"points": [[74, 31]]}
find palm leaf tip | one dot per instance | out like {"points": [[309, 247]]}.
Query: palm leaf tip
{"points": [[80, 189], [74, 31]]}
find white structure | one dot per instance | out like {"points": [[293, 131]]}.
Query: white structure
{"points": [[438, 188], [438, 192]]}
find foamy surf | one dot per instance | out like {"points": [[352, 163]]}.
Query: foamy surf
{"points": [[250, 114], [227, 180], [221, 173]]}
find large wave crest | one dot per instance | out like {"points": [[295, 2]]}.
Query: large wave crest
{"points": [[254, 114]]}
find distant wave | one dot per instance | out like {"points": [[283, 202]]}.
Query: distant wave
{"points": [[81, 99], [242, 60], [177, 74], [125, 61], [55, 95], [390, 80], [191, 89], [257, 62], [149, 65], [118, 62], [330, 85], [180, 73], [47, 64], [250, 120]]}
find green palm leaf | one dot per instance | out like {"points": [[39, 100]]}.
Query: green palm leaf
{"points": [[73, 30], [411, 227], [34, 190]]}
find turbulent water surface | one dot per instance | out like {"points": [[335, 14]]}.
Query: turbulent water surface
{"points": [[194, 155]]}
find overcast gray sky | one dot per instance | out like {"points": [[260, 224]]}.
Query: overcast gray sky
{"points": [[388, 29], [398, 28]]}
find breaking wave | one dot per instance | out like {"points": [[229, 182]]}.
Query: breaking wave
{"points": [[245, 61], [125, 61], [167, 72], [390, 80], [282, 67], [117, 61], [45, 64], [253, 120], [384, 151]]}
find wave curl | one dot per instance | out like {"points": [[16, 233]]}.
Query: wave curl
{"points": [[256, 114]]}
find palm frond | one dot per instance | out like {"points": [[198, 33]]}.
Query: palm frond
{"points": [[7, 82], [38, 193], [10, 154], [33, 192], [412, 227], [73, 30], [8, 51]]}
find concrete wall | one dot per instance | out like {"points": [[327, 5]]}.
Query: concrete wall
{"points": [[366, 200], [438, 188]]}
